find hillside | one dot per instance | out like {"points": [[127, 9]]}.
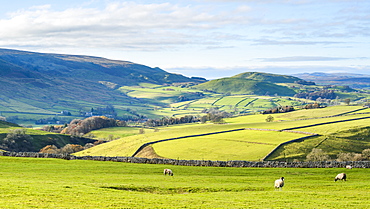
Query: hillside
{"points": [[50, 83], [240, 85], [38, 139], [268, 77]]}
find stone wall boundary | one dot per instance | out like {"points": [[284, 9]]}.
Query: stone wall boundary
{"points": [[204, 163]]}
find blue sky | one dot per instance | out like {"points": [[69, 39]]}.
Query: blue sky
{"points": [[211, 39]]}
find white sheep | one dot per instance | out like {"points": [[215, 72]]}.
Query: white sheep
{"points": [[279, 183], [168, 171], [341, 176], [348, 167]]}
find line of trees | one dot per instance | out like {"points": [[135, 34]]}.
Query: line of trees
{"points": [[17, 140], [319, 155], [171, 121], [279, 109], [78, 127], [324, 94], [214, 115]]}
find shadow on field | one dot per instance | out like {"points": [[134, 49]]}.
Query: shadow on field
{"points": [[180, 190]]}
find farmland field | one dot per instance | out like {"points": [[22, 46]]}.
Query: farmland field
{"points": [[244, 145], [56, 183], [239, 145]]}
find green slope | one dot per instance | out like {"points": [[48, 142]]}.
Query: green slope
{"points": [[55, 82], [268, 77], [40, 138], [245, 86]]}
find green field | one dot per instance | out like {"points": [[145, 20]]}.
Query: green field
{"points": [[249, 145], [116, 132], [240, 145], [55, 183]]}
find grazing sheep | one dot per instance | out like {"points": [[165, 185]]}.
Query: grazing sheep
{"points": [[168, 171], [279, 183], [341, 176], [348, 167]]}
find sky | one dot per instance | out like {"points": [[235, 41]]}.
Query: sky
{"points": [[205, 38]]}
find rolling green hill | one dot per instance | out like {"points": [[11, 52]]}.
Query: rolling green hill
{"points": [[268, 77], [239, 85]]}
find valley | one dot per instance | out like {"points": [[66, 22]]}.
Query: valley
{"points": [[250, 116]]}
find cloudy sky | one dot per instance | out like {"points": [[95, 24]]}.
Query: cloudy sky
{"points": [[207, 38]]}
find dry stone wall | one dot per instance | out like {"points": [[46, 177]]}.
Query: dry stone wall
{"points": [[206, 163]]}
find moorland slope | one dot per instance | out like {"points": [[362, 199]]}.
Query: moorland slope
{"points": [[57, 82]]}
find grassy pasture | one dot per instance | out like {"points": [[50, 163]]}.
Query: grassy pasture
{"points": [[315, 113], [117, 132], [211, 146], [17, 106], [230, 100], [341, 138], [128, 145], [55, 183], [239, 145]]}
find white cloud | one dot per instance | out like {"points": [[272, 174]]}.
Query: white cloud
{"points": [[302, 58], [128, 25]]}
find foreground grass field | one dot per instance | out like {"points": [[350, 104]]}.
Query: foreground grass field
{"points": [[55, 183]]}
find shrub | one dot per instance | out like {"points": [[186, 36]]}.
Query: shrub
{"points": [[51, 149], [366, 154], [17, 140], [71, 148], [317, 155], [270, 118], [79, 127], [341, 157]]}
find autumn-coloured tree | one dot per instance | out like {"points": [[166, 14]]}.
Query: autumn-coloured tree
{"points": [[51, 149], [78, 127], [71, 148]]}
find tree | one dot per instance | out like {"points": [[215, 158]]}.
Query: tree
{"points": [[317, 155], [51, 149], [79, 127], [203, 119], [141, 131], [17, 140], [270, 118], [71, 148], [366, 154], [345, 156], [347, 101]]}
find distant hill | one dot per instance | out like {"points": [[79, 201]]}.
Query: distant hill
{"points": [[5, 124], [349, 79], [268, 77], [239, 84], [32, 65]]}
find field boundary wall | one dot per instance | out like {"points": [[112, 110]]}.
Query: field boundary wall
{"points": [[205, 163]]}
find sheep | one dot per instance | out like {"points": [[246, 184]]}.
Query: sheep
{"points": [[348, 167], [341, 176], [279, 183], [168, 171]]}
